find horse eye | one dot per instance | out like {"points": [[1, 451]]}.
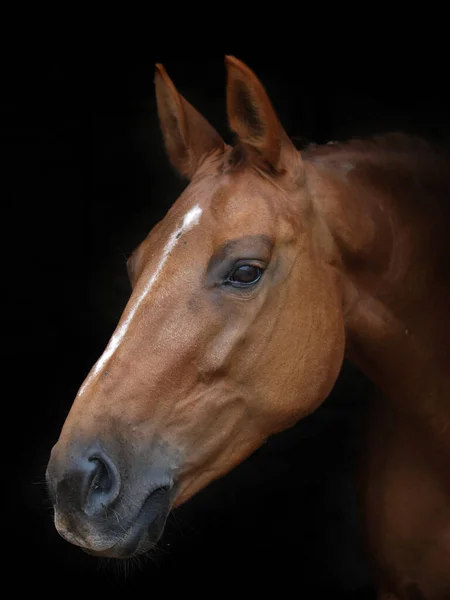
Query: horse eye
{"points": [[245, 275]]}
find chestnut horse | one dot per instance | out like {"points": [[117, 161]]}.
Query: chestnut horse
{"points": [[270, 266]]}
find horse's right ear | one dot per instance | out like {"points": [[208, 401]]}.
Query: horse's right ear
{"points": [[253, 118], [188, 136]]}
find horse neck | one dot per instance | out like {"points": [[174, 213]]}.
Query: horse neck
{"points": [[391, 255]]}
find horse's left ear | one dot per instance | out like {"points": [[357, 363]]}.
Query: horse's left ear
{"points": [[188, 136], [252, 117]]}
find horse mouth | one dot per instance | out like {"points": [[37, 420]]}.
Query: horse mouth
{"points": [[144, 531]]}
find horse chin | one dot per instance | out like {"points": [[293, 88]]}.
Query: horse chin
{"points": [[144, 531]]}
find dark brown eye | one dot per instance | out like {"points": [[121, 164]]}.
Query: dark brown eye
{"points": [[245, 275]]}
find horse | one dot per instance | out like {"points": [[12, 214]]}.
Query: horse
{"points": [[272, 266]]}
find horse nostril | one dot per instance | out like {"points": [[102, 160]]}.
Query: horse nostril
{"points": [[101, 479], [102, 484]]}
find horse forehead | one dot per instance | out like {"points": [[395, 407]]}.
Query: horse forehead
{"points": [[226, 204], [241, 197]]}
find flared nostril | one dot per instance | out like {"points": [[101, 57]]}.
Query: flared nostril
{"points": [[102, 484], [101, 479], [86, 482]]}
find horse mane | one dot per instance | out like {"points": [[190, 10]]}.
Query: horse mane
{"points": [[410, 169], [394, 153], [413, 170], [412, 173]]}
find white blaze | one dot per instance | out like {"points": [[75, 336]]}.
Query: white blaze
{"points": [[190, 219]]}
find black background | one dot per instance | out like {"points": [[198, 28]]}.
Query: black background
{"points": [[85, 177]]}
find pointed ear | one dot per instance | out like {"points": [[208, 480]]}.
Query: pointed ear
{"points": [[188, 136], [252, 117]]}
